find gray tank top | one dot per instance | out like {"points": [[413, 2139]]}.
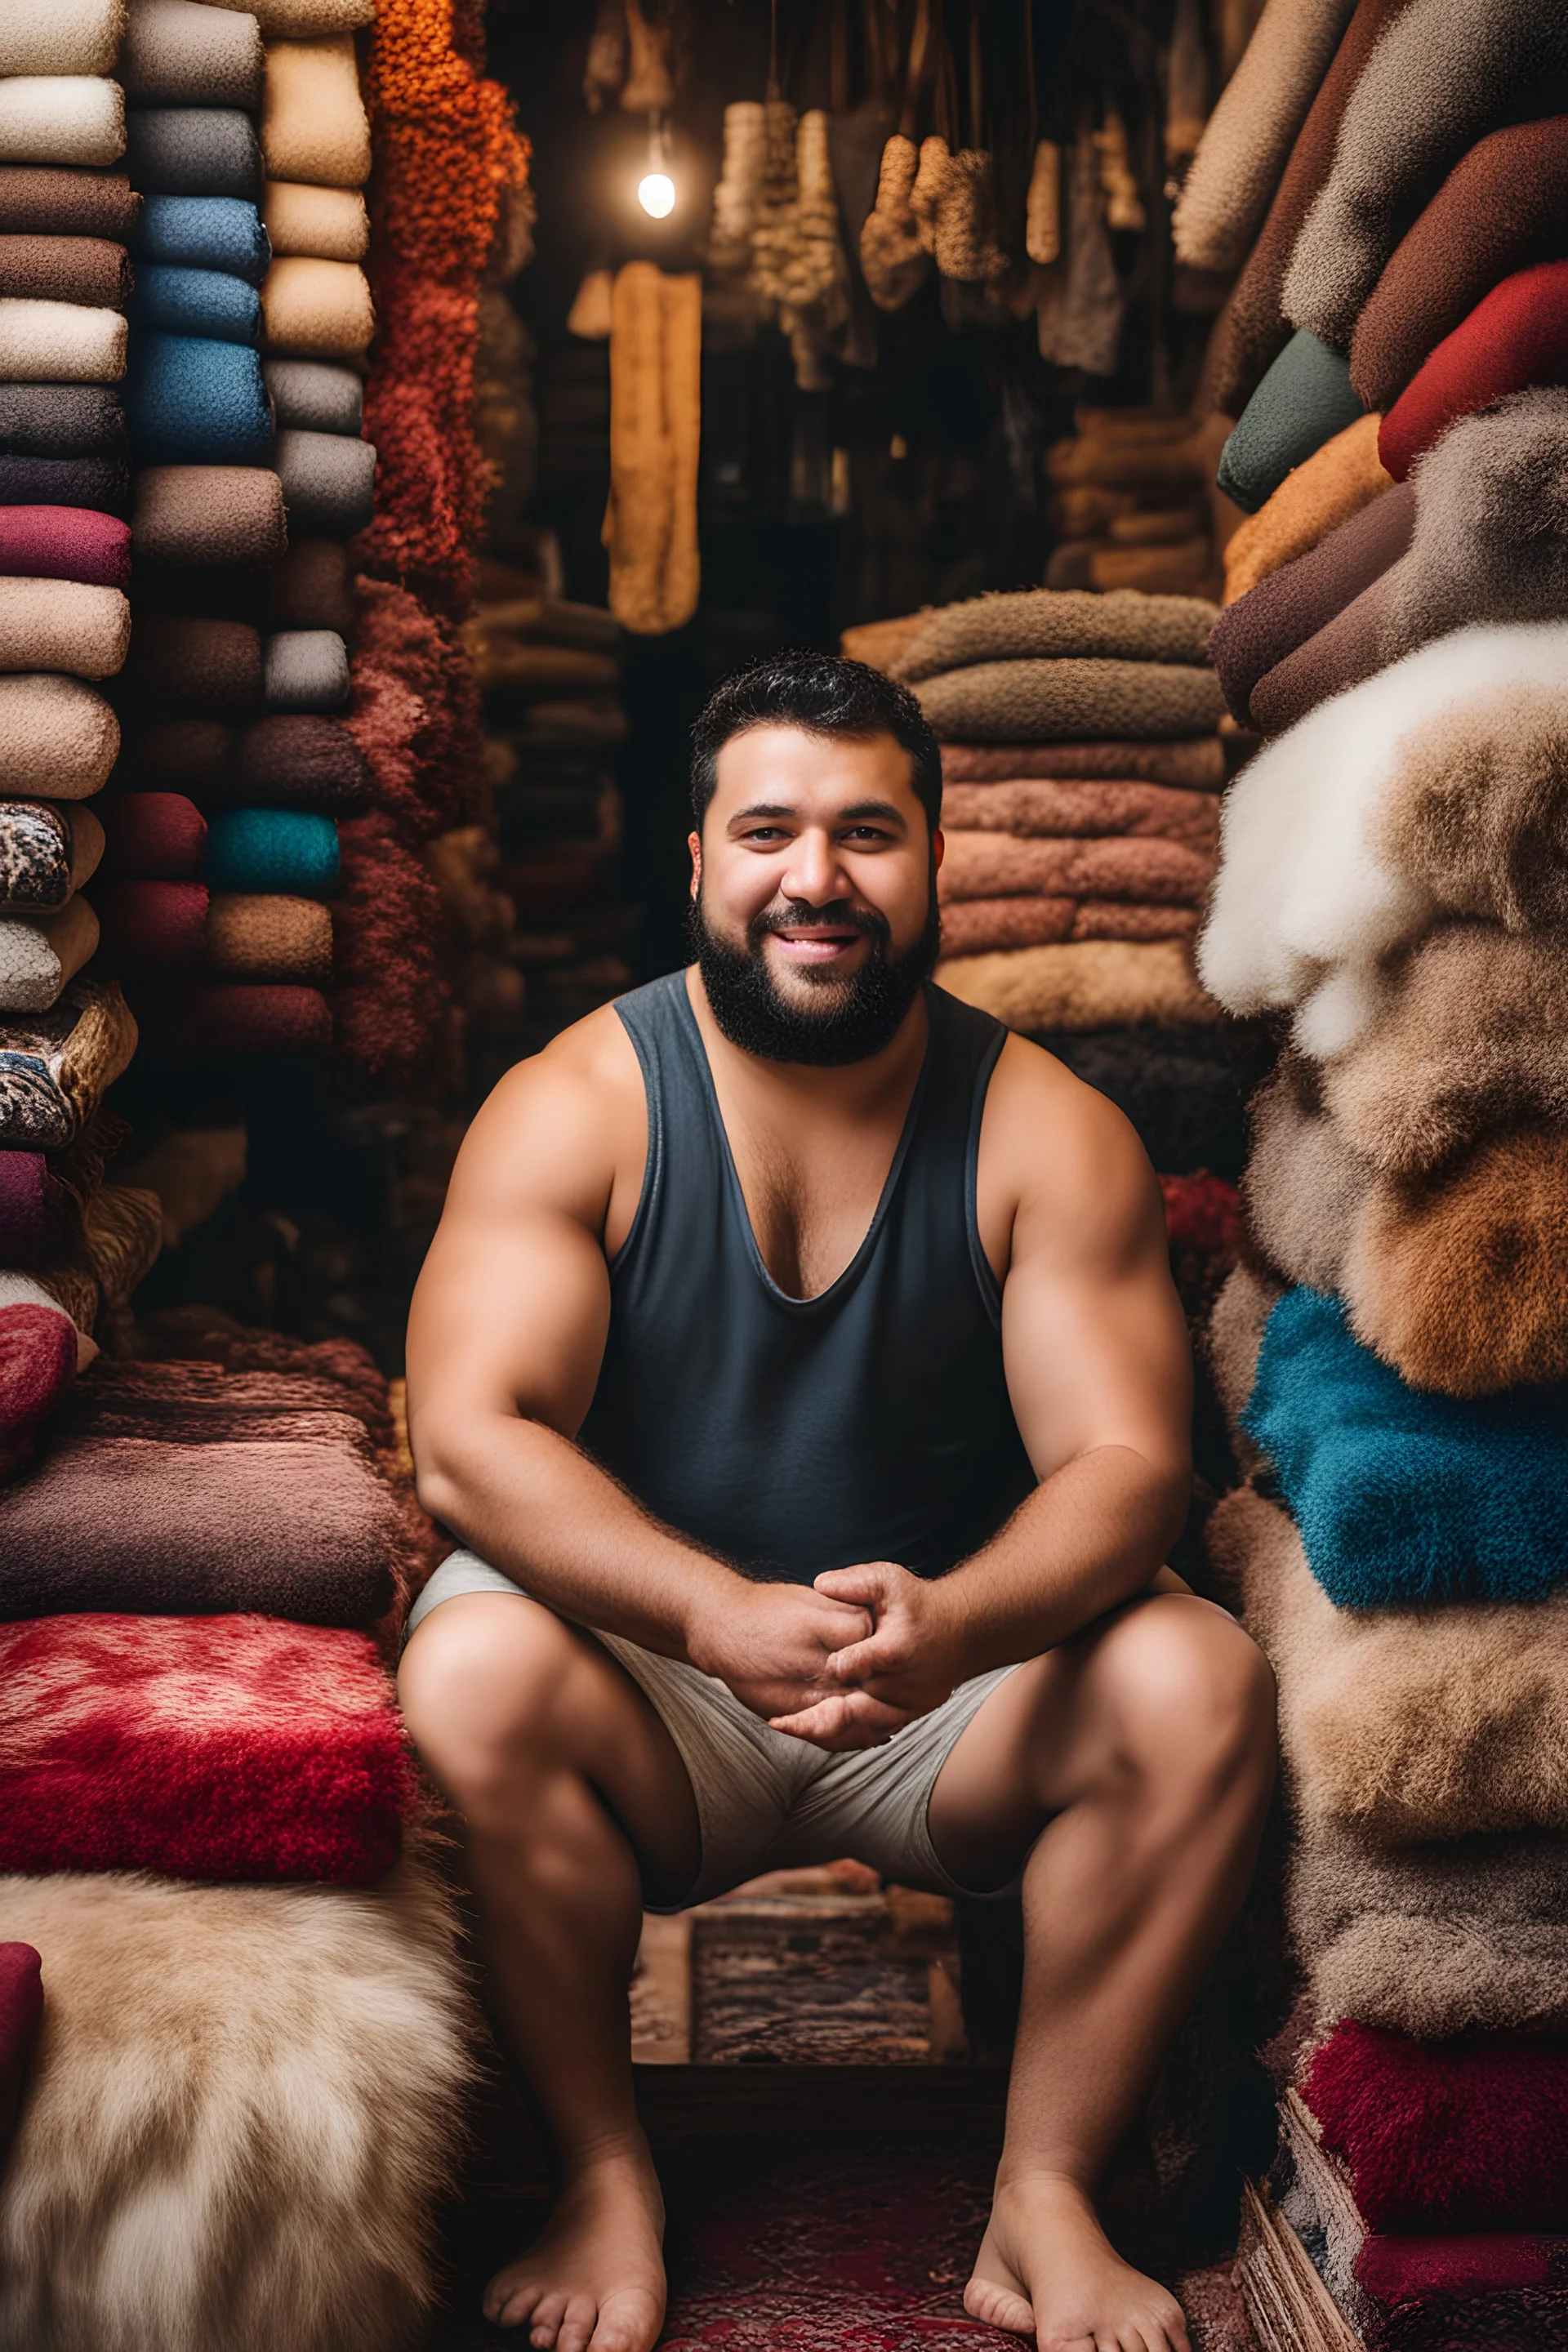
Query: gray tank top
{"points": [[791, 1435]]}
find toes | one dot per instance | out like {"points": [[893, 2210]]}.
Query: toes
{"points": [[629, 2322], [576, 2324], [548, 2313], [1000, 2307], [506, 2305]]}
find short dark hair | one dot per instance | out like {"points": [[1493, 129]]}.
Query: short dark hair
{"points": [[822, 693]]}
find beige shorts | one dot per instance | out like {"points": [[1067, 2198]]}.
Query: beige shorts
{"points": [[765, 1801]]}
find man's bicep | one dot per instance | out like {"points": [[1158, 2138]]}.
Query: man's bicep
{"points": [[509, 1315]]}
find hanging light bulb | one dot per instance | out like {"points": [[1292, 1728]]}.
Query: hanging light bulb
{"points": [[655, 189]]}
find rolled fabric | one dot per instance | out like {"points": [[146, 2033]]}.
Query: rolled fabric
{"points": [[193, 150], [203, 233], [179, 301], [195, 669], [1502, 208], [61, 119], [317, 309], [252, 850], [177, 53], [208, 514], [47, 849], [54, 1068], [303, 762], [1198, 763], [331, 223], [1303, 401], [191, 401], [307, 670], [997, 866], [1035, 623], [86, 270], [39, 954], [1343, 476], [1518, 336], [59, 739], [975, 926], [68, 36], [24, 1221], [305, 19], [313, 123], [1004, 700], [190, 756], [44, 200], [60, 624], [50, 542], [310, 589], [98, 485], [152, 922], [1084, 810], [153, 838], [1248, 140], [329, 483], [38, 1365], [254, 1017], [61, 420], [1292, 604], [1084, 984], [60, 342], [313, 397], [270, 937]]}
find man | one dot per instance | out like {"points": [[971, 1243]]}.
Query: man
{"points": [[799, 1357]]}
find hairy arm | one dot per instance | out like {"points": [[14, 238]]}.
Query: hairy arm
{"points": [[505, 1339], [1099, 1375]]}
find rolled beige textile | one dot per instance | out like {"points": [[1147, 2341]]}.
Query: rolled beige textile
{"points": [[270, 936], [650, 523], [331, 223], [303, 20], [59, 739], [314, 309], [62, 624], [61, 117], [62, 37], [39, 953], [1084, 984], [208, 514], [60, 343], [313, 122]]}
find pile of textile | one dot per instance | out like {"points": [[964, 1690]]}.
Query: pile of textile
{"points": [[1393, 1347], [1130, 504]]}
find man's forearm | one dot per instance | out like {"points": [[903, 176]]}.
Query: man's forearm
{"points": [[533, 1505], [1090, 1537]]}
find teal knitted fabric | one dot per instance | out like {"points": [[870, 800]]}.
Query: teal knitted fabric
{"points": [[1303, 401], [292, 850]]}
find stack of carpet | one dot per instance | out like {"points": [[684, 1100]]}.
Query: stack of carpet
{"points": [[1130, 504]]}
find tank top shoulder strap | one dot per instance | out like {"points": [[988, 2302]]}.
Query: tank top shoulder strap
{"points": [[657, 1018], [965, 1044]]}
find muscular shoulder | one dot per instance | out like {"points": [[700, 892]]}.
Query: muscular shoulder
{"points": [[1061, 1169], [564, 1129]]}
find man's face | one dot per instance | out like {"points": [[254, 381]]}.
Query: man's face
{"points": [[813, 881]]}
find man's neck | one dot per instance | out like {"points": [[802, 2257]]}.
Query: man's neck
{"points": [[849, 1090]]}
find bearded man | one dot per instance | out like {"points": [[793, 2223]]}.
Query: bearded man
{"points": [[798, 1362]]}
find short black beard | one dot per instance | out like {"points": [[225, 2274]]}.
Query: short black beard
{"points": [[859, 1016]]}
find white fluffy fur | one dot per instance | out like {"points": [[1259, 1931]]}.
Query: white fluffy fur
{"points": [[242, 2115], [1305, 907]]}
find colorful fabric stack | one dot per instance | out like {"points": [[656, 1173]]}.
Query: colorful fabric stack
{"points": [[1393, 890]]}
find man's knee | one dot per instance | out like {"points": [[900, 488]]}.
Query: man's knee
{"points": [[485, 1685], [1195, 1701]]}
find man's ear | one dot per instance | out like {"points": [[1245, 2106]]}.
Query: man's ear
{"points": [[694, 842], [938, 846]]}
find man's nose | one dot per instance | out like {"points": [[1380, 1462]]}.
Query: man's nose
{"points": [[814, 871]]}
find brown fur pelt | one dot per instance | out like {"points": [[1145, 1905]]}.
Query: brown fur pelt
{"points": [[1474, 1037], [1302, 1188], [1409, 1724], [1434, 1940], [243, 2115], [1477, 812]]}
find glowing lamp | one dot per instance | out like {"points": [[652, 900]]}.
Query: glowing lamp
{"points": [[656, 194]]}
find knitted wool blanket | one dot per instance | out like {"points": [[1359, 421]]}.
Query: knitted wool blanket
{"points": [[21, 2007], [1248, 140], [310, 589], [56, 118], [1501, 209], [219, 1017], [59, 739], [61, 625], [55, 1066], [203, 233], [208, 514], [61, 420], [1343, 476], [1433, 1940], [65, 543], [270, 936], [38, 1365], [175, 56], [1439, 2138], [210, 667], [1261, 629], [1514, 337], [86, 270], [193, 150], [325, 224], [306, 671], [315, 397], [39, 953], [1305, 399], [229, 1747], [999, 865], [1043, 622], [1428, 91], [1196, 765], [99, 485], [180, 301], [71, 36], [1403, 1498], [317, 309], [1083, 809], [1401, 1723], [272, 849], [1090, 985], [154, 922], [329, 482], [153, 836], [1008, 701], [61, 342], [973, 927], [313, 125], [42, 200], [194, 401]]}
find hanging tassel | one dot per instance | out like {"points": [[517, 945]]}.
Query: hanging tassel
{"points": [[893, 257], [966, 247], [934, 181], [728, 300], [815, 301], [1123, 205], [1043, 230], [773, 239]]}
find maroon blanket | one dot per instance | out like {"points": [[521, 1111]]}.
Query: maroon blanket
{"points": [[21, 2007], [38, 1365], [153, 836], [1517, 337], [65, 543], [228, 1747]]}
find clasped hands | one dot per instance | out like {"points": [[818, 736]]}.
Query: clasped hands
{"points": [[844, 1663]]}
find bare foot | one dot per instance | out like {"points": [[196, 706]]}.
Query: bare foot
{"points": [[595, 2272], [1046, 2269]]}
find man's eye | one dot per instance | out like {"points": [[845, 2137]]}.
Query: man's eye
{"points": [[765, 833], [865, 833]]}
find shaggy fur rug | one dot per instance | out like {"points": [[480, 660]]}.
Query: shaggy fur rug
{"points": [[230, 1747], [243, 2116], [1404, 1723], [1264, 627], [1433, 1940]]}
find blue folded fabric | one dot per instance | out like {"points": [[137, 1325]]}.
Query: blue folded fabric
{"points": [[203, 233], [1404, 1498], [271, 849], [178, 301], [191, 401], [1303, 401], [191, 151]]}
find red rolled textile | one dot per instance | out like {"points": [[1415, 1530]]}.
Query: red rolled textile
{"points": [[153, 836], [21, 2007], [1202, 1213], [154, 922], [219, 1748], [253, 1017], [1446, 2136], [24, 1208], [1398, 2270], [65, 543], [1517, 337], [38, 1365]]}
